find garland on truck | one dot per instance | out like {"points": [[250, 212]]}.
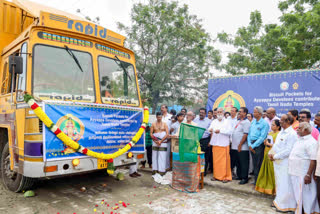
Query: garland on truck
{"points": [[74, 145]]}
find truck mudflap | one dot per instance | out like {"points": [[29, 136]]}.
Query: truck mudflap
{"points": [[65, 167]]}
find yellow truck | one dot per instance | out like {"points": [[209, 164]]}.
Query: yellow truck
{"points": [[84, 80]]}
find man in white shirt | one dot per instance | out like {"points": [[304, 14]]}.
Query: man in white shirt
{"points": [[166, 118], [317, 173], [221, 130], [234, 121], [302, 164], [279, 154], [271, 116], [233, 116]]}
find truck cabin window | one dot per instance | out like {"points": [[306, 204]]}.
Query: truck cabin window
{"points": [[62, 74], [117, 82], [6, 85], [22, 77]]}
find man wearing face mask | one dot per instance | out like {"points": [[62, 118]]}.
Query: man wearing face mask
{"points": [[221, 130]]}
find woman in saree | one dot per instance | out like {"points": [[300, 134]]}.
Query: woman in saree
{"points": [[266, 182]]}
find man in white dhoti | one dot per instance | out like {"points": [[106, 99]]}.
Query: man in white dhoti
{"points": [[159, 133], [302, 164], [166, 118], [279, 153]]}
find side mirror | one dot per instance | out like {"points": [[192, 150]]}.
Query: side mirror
{"points": [[15, 62]]}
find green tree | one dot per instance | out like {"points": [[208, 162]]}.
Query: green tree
{"points": [[293, 44], [173, 51]]}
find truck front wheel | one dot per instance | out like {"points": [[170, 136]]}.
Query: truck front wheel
{"points": [[13, 180]]}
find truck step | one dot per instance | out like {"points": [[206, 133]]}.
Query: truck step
{"points": [[39, 133], [33, 141], [31, 117]]}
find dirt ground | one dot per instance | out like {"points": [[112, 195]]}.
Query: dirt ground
{"points": [[140, 195]]}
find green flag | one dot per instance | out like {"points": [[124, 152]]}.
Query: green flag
{"points": [[189, 137]]}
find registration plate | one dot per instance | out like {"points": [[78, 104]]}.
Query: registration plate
{"points": [[102, 163]]}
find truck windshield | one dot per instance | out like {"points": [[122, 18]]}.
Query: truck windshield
{"points": [[56, 75], [117, 82]]}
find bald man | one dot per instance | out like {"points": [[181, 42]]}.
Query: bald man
{"points": [[271, 116], [189, 120], [221, 130]]}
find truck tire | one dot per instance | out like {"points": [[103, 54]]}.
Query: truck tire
{"points": [[13, 181], [3, 141]]}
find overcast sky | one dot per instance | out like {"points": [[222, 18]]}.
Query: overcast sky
{"points": [[217, 15]]}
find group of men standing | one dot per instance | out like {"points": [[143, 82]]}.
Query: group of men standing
{"points": [[216, 143], [294, 153], [231, 142], [162, 131]]}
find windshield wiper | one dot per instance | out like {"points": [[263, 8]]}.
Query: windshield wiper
{"points": [[74, 57], [123, 67]]}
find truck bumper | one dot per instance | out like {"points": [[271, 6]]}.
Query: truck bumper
{"points": [[65, 167]]}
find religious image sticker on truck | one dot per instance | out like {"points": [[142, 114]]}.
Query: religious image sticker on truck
{"points": [[101, 128]]}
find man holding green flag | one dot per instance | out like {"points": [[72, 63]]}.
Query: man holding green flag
{"points": [[186, 163]]}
